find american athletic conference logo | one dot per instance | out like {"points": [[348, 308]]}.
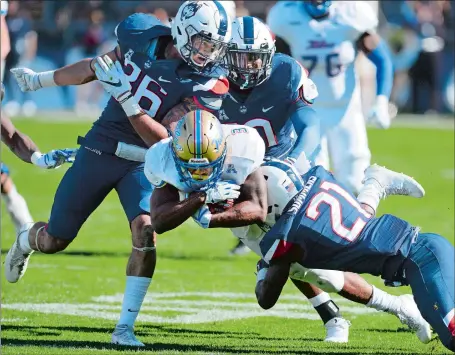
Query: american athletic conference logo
{"points": [[190, 10]]}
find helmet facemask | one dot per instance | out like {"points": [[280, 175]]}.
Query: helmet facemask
{"points": [[249, 67]]}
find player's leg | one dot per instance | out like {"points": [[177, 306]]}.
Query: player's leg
{"points": [[15, 204], [337, 328], [135, 191], [83, 187], [355, 288], [429, 269], [348, 148]]}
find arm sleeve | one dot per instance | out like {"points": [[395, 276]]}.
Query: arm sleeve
{"points": [[307, 126]]}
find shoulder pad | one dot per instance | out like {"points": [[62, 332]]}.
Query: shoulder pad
{"points": [[279, 15], [358, 15], [138, 30]]}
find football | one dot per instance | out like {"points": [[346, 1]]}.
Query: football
{"points": [[219, 207]]}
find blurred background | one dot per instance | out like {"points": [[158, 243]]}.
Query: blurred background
{"points": [[50, 34]]}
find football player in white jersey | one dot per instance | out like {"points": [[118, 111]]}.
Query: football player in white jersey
{"points": [[204, 166], [326, 37]]}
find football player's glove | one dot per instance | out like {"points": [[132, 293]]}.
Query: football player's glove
{"points": [[54, 159], [114, 81], [222, 191], [28, 80], [379, 114]]}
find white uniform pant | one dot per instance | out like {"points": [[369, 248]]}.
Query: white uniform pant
{"points": [[344, 143]]}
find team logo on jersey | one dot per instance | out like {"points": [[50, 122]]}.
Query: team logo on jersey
{"points": [[231, 169], [222, 115], [319, 44], [128, 55], [190, 10], [147, 64], [243, 109]]}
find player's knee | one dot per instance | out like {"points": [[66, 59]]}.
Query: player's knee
{"points": [[327, 280], [144, 237]]}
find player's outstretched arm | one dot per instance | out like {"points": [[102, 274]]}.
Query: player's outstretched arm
{"points": [[249, 208], [25, 149], [20, 144], [271, 280], [77, 73], [168, 212]]}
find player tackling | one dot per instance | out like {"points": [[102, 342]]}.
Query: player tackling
{"points": [[204, 165]]}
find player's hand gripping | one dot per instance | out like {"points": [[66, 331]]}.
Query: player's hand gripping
{"points": [[54, 159], [379, 114], [28, 80], [116, 84], [222, 191]]}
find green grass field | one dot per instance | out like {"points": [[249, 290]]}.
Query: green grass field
{"points": [[201, 300]]}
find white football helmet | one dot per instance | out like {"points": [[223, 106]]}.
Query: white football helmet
{"points": [[283, 183], [201, 31], [250, 52]]}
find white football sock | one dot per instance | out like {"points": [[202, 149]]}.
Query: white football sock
{"points": [[382, 301], [319, 299], [24, 241], [370, 194], [135, 291], [17, 208]]}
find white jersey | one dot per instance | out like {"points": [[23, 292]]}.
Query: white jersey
{"points": [[327, 47], [245, 151]]}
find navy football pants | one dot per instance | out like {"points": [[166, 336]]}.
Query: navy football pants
{"points": [[429, 269], [86, 184]]}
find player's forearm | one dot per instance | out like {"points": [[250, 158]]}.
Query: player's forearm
{"points": [[171, 215], [75, 74], [270, 284], [307, 126], [148, 129], [240, 215], [378, 52], [21, 145]]}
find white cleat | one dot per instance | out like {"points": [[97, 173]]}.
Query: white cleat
{"points": [[393, 183], [337, 330], [124, 335], [409, 315], [239, 249], [16, 260]]}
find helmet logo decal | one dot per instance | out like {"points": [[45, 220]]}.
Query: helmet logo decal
{"points": [[190, 10]]}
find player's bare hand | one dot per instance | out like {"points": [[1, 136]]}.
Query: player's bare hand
{"points": [[54, 159]]}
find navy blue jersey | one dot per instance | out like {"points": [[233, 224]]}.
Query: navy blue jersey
{"points": [[268, 106], [157, 85], [335, 232]]}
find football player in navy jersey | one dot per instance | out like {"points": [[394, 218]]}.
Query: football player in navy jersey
{"points": [[153, 68], [323, 226]]}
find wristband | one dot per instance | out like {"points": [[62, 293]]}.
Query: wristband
{"points": [[46, 79], [131, 107], [261, 274], [35, 157]]}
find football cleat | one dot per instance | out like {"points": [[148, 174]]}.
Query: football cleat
{"points": [[337, 330], [393, 183], [124, 335], [16, 260], [239, 249], [409, 315]]}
